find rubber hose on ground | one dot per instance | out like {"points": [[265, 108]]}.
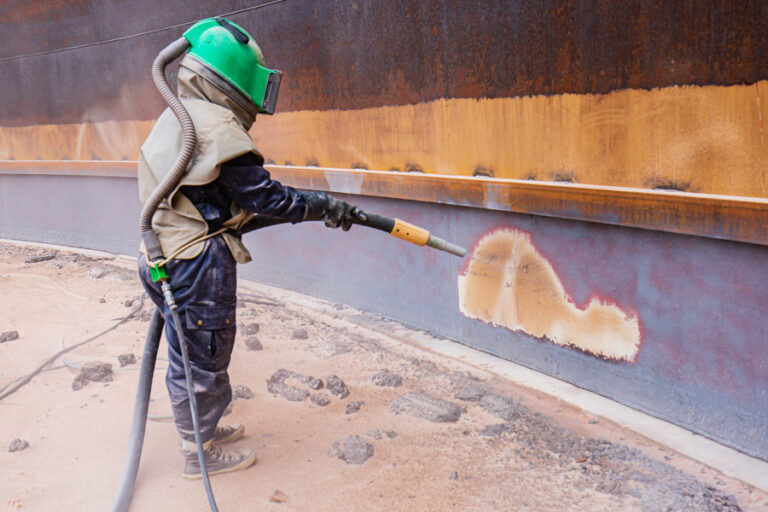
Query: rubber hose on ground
{"points": [[193, 408], [139, 421]]}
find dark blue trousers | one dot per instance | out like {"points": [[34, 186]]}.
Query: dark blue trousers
{"points": [[205, 290]]}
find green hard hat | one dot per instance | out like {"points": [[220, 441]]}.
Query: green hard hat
{"points": [[224, 53]]}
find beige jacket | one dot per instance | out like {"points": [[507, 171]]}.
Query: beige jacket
{"points": [[222, 134]]}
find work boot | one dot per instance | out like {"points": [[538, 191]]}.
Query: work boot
{"points": [[227, 434], [216, 460]]}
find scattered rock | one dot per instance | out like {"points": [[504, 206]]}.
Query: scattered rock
{"points": [[312, 382], [338, 348], [253, 343], [9, 336], [146, 315], [102, 300], [42, 257], [356, 451], [320, 399], [278, 497], [497, 430], [421, 405], [120, 274], [95, 371], [353, 407], [288, 392], [380, 434], [499, 406], [80, 382], [241, 391], [337, 386], [453, 476], [299, 334], [282, 374], [387, 379], [98, 272], [126, 359], [128, 303], [592, 422], [686, 495], [251, 329], [471, 394], [228, 410], [17, 445]]}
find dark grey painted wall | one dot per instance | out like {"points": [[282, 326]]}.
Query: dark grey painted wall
{"points": [[702, 303]]}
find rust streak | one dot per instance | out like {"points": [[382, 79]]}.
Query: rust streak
{"points": [[697, 139]]}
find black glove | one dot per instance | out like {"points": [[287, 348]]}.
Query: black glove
{"points": [[335, 212]]}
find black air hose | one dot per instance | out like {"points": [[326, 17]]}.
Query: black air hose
{"points": [[168, 54], [139, 421], [154, 251]]}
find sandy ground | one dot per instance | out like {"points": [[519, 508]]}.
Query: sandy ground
{"points": [[513, 450]]}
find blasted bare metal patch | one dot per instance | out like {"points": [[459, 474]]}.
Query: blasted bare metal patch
{"points": [[509, 283]]}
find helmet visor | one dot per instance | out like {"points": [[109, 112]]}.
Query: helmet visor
{"points": [[271, 89]]}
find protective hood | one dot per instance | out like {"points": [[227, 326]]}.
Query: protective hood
{"points": [[192, 84]]}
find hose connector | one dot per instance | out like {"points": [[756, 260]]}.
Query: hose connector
{"points": [[157, 270], [168, 294]]}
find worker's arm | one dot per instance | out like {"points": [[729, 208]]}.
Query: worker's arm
{"points": [[247, 183]]}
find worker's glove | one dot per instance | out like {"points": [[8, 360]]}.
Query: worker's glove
{"points": [[335, 212]]}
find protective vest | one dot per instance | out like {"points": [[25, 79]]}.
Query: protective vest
{"points": [[220, 138]]}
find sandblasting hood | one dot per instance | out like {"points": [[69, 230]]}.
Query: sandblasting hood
{"points": [[226, 55]]}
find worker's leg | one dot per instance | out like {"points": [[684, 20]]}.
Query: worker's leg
{"points": [[204, 289]]}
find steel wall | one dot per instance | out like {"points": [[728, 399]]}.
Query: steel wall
{"points": [[703, 360], [614, 96], [338, 54], [632, 93]]}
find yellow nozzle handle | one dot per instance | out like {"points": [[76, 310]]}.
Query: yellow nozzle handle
{"points": [[410, 232], [420, 236]]}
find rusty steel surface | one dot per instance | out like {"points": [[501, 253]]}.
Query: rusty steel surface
{"points": [[346, 55], [723, 217]]}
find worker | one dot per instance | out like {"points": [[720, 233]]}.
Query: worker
{"points": [[221, 80]]}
